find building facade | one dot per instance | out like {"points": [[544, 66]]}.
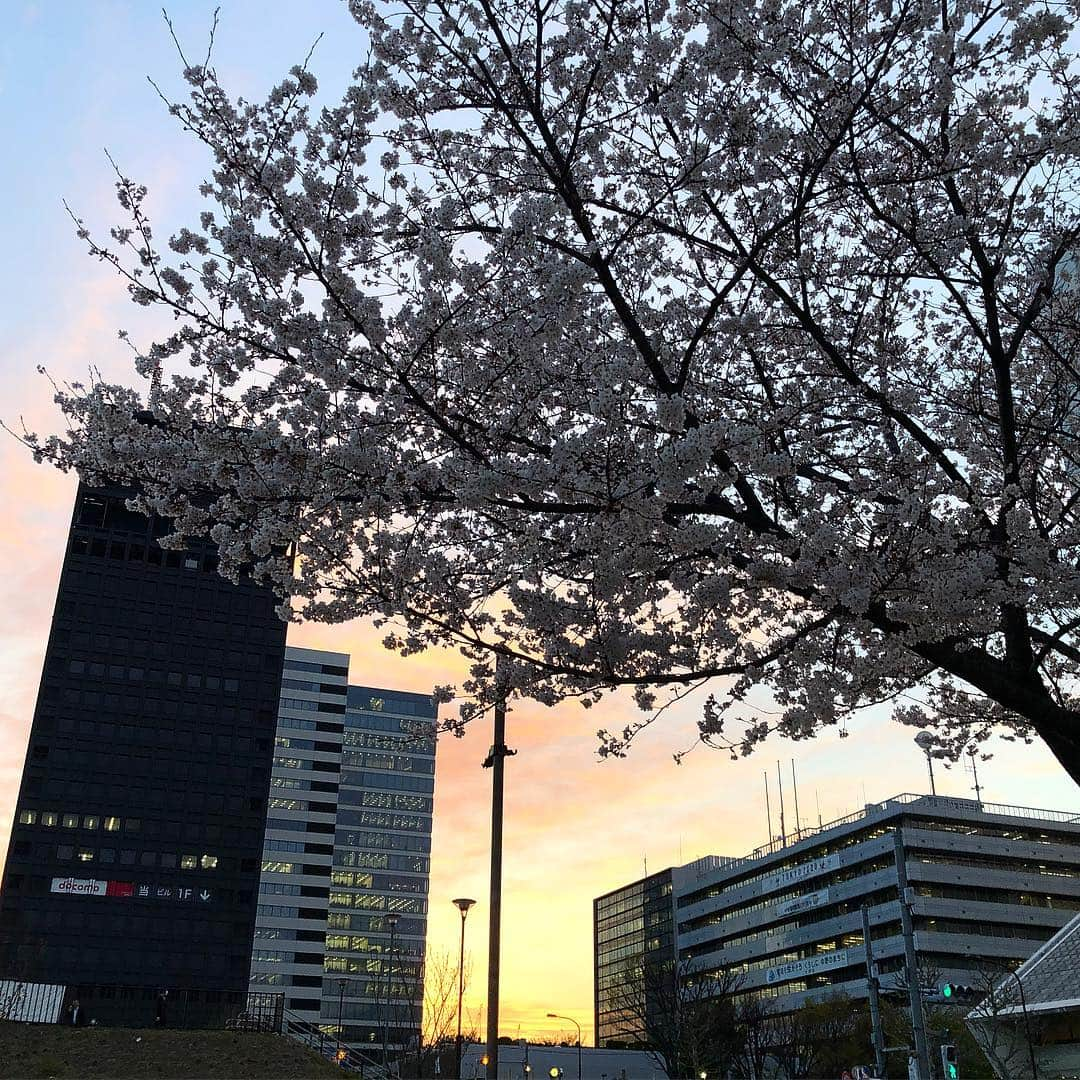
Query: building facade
{"points": [[633, 955], [987, 884], [346, 864], [134, 858]]}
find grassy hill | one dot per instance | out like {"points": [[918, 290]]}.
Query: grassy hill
{"points": [[40, 1051]]}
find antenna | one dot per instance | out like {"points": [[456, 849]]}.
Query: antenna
{"points": [[817, 800], [645, 859], [975, 775], [768, 810], [780, 785], [795, 790]]}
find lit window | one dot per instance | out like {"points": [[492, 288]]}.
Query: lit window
{"points": [[27, 817], [112, 824], [208, 862], [71, 821], [91, 821], [188, 862], [84, 855], [48, 817]]}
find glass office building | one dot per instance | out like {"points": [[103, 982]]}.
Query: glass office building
{"points": [[344, 889], [134, 857]]}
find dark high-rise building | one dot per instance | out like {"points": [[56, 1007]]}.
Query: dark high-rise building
{"points": [[135, 853]]}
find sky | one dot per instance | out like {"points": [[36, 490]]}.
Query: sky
{"points": [[73, 82]]}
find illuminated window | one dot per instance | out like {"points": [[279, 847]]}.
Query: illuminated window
{"points": [[49, 817], [208, 862], [84, 855], [71, 821], [27, 817], [91, 821], [188, 862], [112, 824], [272, 866]]}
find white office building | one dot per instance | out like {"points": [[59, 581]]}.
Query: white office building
{"points": [[342, 913]]}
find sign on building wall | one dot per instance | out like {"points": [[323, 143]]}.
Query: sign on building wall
{"points": [[800, 872], [79, 886], [797, 969], [806, 902]]}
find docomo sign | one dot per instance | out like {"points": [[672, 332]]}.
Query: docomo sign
{"points": [[79, 886], [91, 887]]}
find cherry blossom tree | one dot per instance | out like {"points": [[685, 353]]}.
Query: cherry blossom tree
{"points": [[643, 343]]}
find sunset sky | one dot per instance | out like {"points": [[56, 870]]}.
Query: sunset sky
{"points": [[72, 83]]}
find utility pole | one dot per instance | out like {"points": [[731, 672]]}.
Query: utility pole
{"points": [[918, 1020], [496, 762], [872, 987]]}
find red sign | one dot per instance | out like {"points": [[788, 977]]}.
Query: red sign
{"points": [[120, 888]]}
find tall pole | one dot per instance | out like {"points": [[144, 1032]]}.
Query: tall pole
{"points": [[795, 793], [556, 1016], [392, 920], [918, 1021], [768, 809], [496, 761], [340, 1010], [872, 988], [975, 777], [780, 785], [463, 906]]}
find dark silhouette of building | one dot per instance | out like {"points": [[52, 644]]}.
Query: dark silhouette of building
{"points": [[135, 852]]}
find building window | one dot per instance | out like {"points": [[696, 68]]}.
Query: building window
{"points": [[90, 821], [63, 853], [188, 862], [71, 821], [112, 824], [209, 862], [84, 855], [49, 817], [27, 817]]}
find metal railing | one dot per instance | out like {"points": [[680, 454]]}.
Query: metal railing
{"points": [[311, 1035], [932, 802]]}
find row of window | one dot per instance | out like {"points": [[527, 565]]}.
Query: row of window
{"points": [[315, 669], [151, 554], [312, 687], [52, 818], [376, 902], [189, 680], [167, 860], [370, 740], [303, 705]]}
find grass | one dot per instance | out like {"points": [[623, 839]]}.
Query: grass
{"points": [[43, 1051]]}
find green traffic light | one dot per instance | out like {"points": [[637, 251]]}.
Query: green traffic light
{"points": [[953, 1074], [946, 990]]}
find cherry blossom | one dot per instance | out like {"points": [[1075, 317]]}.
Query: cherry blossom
{"points": [[646, 344]]}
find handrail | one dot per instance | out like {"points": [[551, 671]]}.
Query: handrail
{"points": [[312, 1035]]}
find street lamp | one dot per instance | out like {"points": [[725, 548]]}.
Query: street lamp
{"points": [[392, 921], [340, 1009], [556, 1016], [463, 906], [924, 741]]}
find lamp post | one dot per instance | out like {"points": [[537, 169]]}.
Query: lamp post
{"points": [[556, 1016], [924, 740], [392, 921], [340, 1010], [463, 905]]}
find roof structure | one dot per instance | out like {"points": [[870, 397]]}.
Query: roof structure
{"points": [[1050, 977]]}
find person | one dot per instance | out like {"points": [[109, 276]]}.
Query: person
{"points": [[75, 1013], [162, 1002]]}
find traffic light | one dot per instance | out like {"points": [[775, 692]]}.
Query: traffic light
{"points": [[958, 993], [948, 1062]]}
